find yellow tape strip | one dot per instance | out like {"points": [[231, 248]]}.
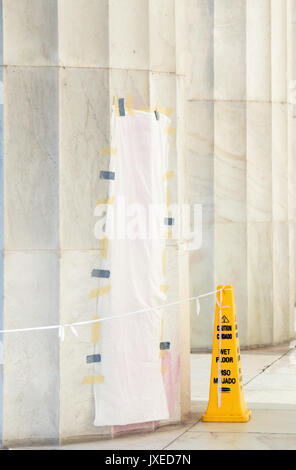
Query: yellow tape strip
{"points": [[163, 353], [95, 331], [116, 106], [170, 130], [100, 291], [165, 110], [164, 368], [168, 235], [108, 151], [106, 200], [129, 104], [93, 379], [168, 175], [164, 288], [148, 109], [104, 247], [168, 198]]}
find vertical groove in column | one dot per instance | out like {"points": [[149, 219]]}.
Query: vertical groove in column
{"points": [[258, 174], [230, 152], [1, 214], [291, 113], [199, 157], [184, 314], [280, 226]]}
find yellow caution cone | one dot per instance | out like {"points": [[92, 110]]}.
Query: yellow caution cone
{"points": [[226, 401]]}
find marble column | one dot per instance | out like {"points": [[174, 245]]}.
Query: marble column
{"points": [[252, 182], [64, 61], [125, 48]]}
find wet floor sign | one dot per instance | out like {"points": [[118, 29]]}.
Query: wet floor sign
{"points": [[226, 402]]}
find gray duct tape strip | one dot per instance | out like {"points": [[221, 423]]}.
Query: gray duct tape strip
{"points": [[93, 358], [100, 273], [107, 175], [169, 221], [164, 345], [121, 107]]}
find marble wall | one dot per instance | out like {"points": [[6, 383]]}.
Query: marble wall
{"points": [[240, 157]]}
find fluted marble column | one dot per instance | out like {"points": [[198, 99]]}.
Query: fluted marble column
{"points": [[64, 61], [251, 183]]}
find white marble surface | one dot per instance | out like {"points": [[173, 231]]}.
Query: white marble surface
{"points": [[291, 127], [279, 162], [130, 82], [279, 50], [200, 60], [292, 278], [230, 49], [84, 131], [162, 34], [181, 42], [260, 282], [282, 309], [83, 33], [31, 158], [129, 51], [199, 168], [250, 47], [30, 32], [231, 268], [258, 50], [199, 165], [31, 359], [202, 264], [163, 90], [259, 161], [230, 162]]}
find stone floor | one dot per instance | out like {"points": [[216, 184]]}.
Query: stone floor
{"points": [[270, 392]]}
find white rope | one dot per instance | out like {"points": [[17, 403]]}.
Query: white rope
{"points": [[61, 328]]}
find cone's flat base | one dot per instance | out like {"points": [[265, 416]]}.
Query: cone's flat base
{"points": [[227, 419]]}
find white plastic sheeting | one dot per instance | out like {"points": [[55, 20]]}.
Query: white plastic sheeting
{"points": [[133, 389]]}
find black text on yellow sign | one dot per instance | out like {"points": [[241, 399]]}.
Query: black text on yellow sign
{"points": [[228, 404]]}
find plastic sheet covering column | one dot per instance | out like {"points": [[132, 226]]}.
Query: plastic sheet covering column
{"points": [[133, 390]]}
